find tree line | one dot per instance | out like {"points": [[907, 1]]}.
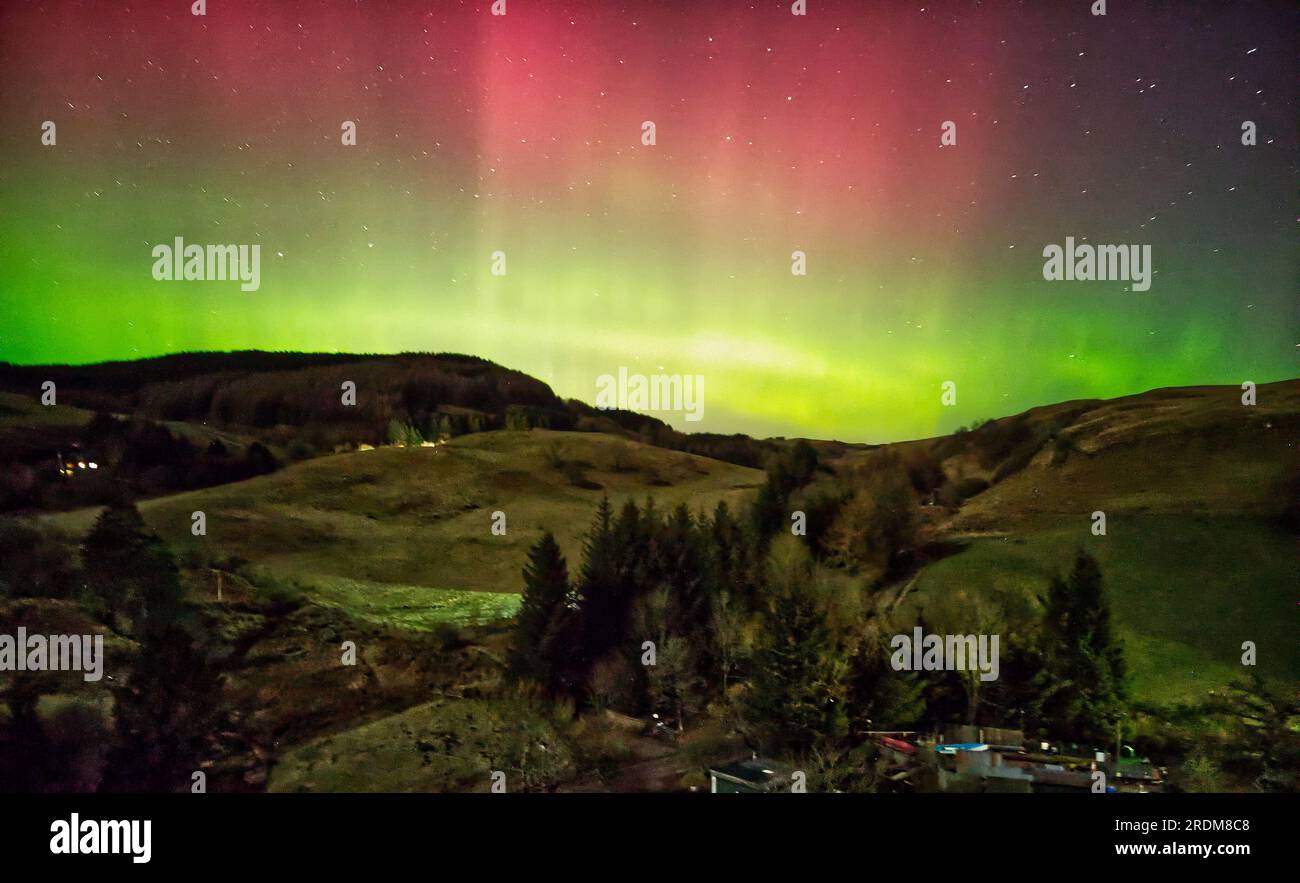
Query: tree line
{"points": [[677, 612], [133, 458]]}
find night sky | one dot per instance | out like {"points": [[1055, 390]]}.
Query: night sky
{"points": [[775, 133]]}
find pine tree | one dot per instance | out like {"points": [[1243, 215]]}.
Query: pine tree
{"points": [[1083, 690], [692, 592], [546, 595], [163, 714], [166, 709], [633, 535], [129, 571], [767, 512], [1265, 722], [597, 548], [685, 572], [795, 699], [613, 568], [729, 554], [878, 695], [723, 531], [802, 463]]}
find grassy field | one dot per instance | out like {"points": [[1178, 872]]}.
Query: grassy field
{"points": [[403, 535], [413, 608], [1185, 591], [445, 745], [27, 412]]}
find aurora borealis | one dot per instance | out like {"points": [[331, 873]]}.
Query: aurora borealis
{"points": [[774, 133]]}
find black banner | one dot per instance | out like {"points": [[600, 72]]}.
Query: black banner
{"points": [[530, 832]]}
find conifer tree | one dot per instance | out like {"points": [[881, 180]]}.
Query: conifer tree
{"points": [[129, 571], [166, 708], [1083, 688], [603, 615], [545, 603], [795, 699]]}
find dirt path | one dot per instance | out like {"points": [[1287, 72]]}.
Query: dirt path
{"points": [[655, 766]]}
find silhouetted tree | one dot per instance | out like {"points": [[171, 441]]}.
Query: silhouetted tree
{"points": [[545, 603], [128, 569], [876, 694], [795, 698], [163, 714], [1265, 742], [164, 710], [1082, 683]]}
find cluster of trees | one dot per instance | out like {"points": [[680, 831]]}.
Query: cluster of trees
{"points": [[821, 676], [877, 526], [313, 402], [736, 448], [660, 616], [673, 612], [153, 459], [434, 394], [866, 522], [652, 587], [166, 706], [1263, 734], [786, 474], [134, 457], [413, 431]]}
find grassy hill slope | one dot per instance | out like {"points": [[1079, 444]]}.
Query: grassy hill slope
{"points": [[1189, 451], [1192, 482], [1196, 557], [370, 530]]}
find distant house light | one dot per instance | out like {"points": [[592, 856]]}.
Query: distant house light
{"points": [[94, 465], [81, 464]]}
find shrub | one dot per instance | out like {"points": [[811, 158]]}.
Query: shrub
{"points": [[924, 469], [553, 454]]}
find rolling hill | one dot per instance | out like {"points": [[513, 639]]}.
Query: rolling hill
{"points": [[378, 527], [1197, 556]]}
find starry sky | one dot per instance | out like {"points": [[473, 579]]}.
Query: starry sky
{"points": [[774, 133]]}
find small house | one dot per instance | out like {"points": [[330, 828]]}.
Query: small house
{"points": [[76, 460]]}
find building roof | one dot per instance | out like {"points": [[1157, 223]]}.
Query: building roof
{"points": [[757, 771]]}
